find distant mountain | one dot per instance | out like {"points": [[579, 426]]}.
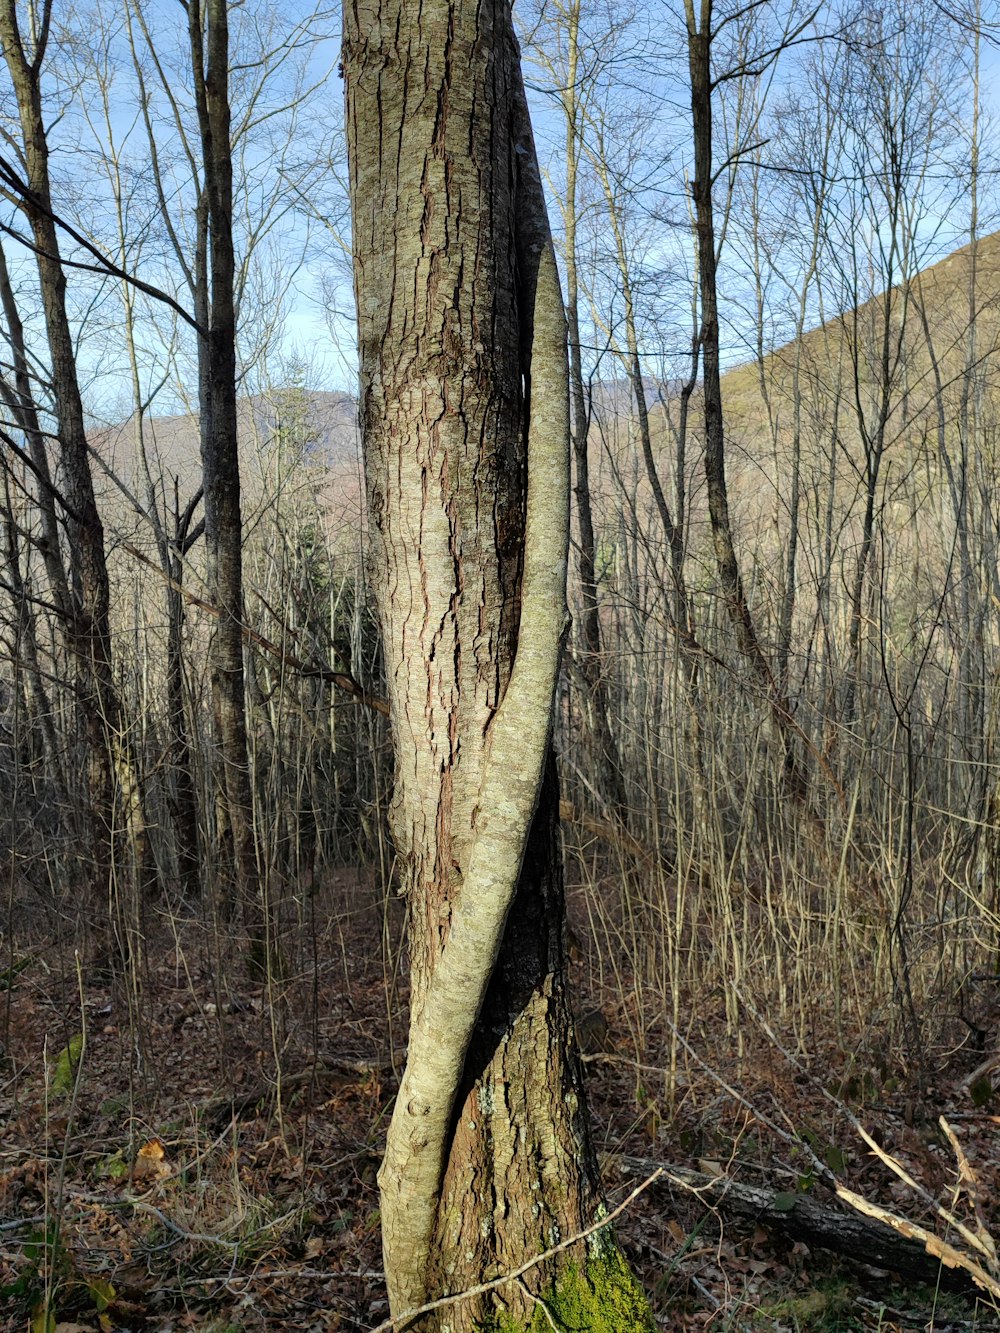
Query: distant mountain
{"points": [[326, 421], [945, 315], [331, 421], [902, 389], [320, 429], [613, 397]]}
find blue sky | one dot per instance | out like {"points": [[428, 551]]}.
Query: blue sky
{"points": [[314, 330]]}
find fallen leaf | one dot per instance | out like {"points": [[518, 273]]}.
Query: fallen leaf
{"points": [[150, 1162]]}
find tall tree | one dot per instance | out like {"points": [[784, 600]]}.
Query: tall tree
{"points": [[572, 74], [466, 437], [79, 583], [703, 28], [215, 299]]}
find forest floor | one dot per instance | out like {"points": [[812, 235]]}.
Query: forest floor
{"points": [[209, 1163]]}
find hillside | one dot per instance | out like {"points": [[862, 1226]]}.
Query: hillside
{"points": [[947, 316], [891, 409], [319, 430]]}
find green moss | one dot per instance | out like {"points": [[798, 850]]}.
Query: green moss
{"points": [[827, 1307], [602, 1298], [65, 1067]]}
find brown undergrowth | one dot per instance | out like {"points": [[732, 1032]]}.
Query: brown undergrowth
{"points": [[180, 1148]]}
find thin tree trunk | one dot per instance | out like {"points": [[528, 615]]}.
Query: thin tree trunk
{"points": [[216, 311], [733, 592], [112, 782], [591, 659], [184, 795], [26, 644]]}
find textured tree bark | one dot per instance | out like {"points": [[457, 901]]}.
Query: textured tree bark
{"points": [[466, 437]]}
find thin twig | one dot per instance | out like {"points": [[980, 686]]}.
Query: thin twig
{"points": [[538, 1303], [21, 1222]]}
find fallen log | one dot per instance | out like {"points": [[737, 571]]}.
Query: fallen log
{"points": [[822, 1224]]}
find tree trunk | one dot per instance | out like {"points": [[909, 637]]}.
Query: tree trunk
{"points": [[734, 595], [184, 793], [466, 440], [26, 648], [114, 795], [216, 309], [611, 777]]}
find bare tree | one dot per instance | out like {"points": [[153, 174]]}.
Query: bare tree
{"points": [[80, 590], [704, 27], [573, 60]]}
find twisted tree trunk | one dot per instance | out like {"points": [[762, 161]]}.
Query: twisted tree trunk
{"points": [[466, 438]]}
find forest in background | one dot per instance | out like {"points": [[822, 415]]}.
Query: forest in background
{"points": [[777, 734]]}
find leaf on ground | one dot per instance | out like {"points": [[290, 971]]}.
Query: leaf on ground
{"points": [[102, 1293], [981, 1091], [835, 1159], [42, 1319], [150, 1162]]}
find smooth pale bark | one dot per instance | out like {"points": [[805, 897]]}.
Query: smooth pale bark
{"points": [[464, 416]]}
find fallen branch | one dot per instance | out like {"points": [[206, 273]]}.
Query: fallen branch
{"points": [[934, 1246], [979, 1242], [864, 1235]]}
